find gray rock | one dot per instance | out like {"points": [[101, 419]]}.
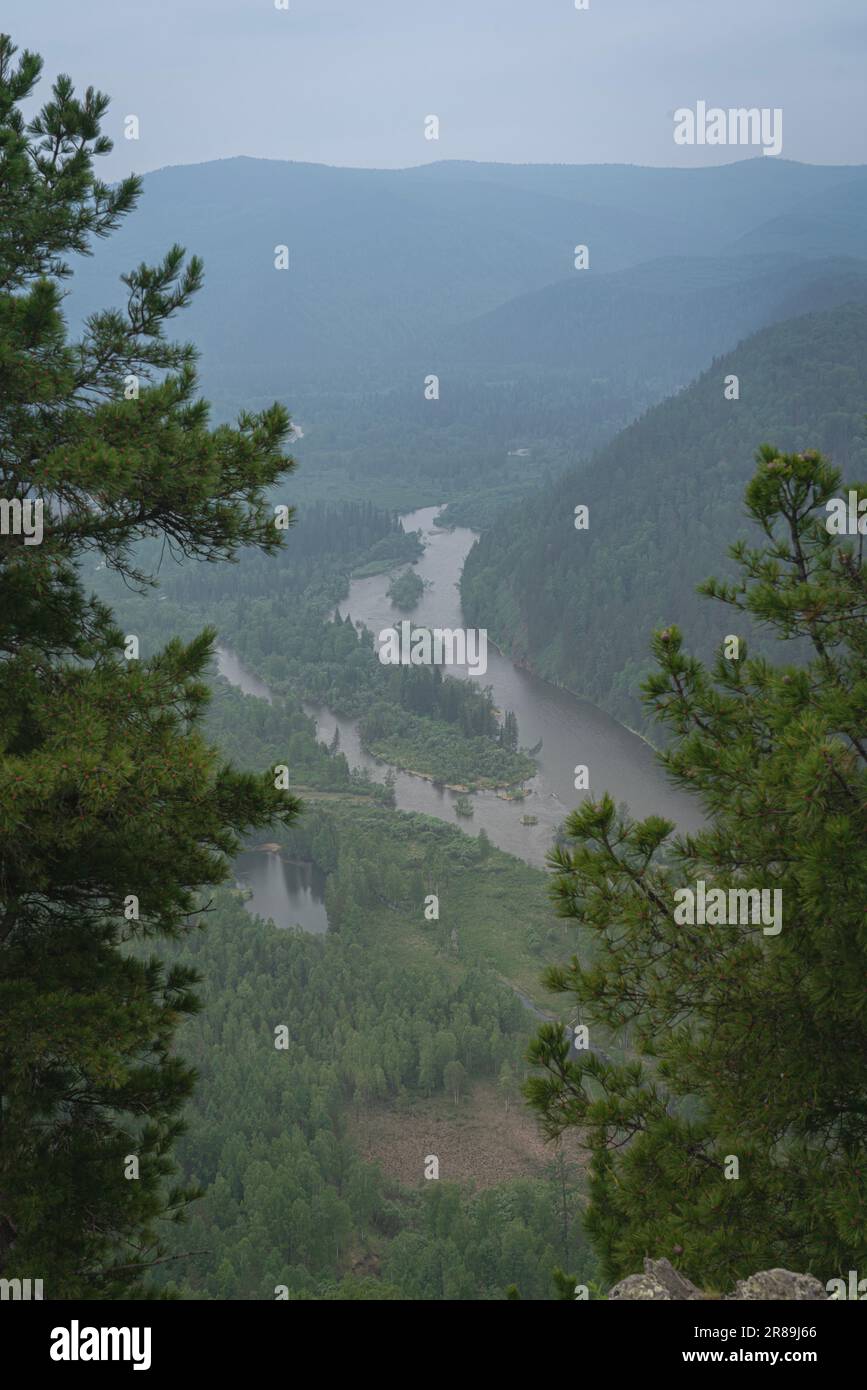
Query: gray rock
{"points": [[772, 1284], [660, 1282]]}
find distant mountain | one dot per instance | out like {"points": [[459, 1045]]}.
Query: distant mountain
{"points": [[382, 261], [665, 499], [378, 260], [465, 271], [704, 209]]}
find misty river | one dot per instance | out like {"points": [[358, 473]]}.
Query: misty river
{"points": [[572, 731]]}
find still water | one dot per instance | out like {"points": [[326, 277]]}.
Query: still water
{"points": [[291, 894]]}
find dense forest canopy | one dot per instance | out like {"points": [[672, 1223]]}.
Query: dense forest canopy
{"points": [[664, 499], [199, 1102]]}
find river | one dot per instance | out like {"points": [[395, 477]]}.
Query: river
{"points": [[572, 731]]}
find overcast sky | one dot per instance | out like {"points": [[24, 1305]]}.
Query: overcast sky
{"points": [[351, 81]]}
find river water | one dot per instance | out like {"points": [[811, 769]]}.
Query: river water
{"points": [[572, 731]]}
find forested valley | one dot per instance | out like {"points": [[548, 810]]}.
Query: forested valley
{"points": [[394, 1020], [547, 403]]}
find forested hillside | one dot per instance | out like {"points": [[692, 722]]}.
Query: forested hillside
{"points": [[665, 502], [389, 1015], [443, 913], [465, 272], [392, 1018], [429, 247], [555, 374], [660, 322], [288, 1201]]}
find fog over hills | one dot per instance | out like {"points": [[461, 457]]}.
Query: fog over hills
{"points": [[666, 317], [466, 271], [381, 260]]}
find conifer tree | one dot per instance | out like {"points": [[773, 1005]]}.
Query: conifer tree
{"points": [[115, 815], [733, 1135]]}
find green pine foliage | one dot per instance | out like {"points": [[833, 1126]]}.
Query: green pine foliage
{"points": [[115, 813], [745, 1045]]}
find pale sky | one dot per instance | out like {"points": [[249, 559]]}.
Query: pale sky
{"points": [[350, 82]]}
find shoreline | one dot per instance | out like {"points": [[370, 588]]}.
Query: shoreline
{"points": [[525, 666]]}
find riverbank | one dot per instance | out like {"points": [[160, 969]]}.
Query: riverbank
{"points": [[523, 665], [571, 731]]}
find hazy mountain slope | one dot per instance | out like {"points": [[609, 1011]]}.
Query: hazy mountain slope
{"points": [[706, 208], [665, 501], [378, 260], [834, 225], [664, 320], [465, 271], [383, 260]]}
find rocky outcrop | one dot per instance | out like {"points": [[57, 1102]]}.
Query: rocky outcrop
{"points": [[661, 1281], [779, 1283]]}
